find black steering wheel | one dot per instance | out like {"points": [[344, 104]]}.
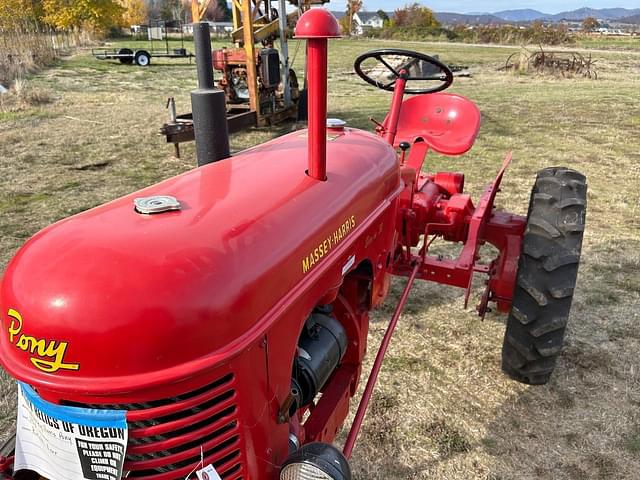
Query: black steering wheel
{"points": [[416, 66]]}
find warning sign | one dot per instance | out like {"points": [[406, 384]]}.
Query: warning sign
{"points": [[69, 442], [100, 460]]}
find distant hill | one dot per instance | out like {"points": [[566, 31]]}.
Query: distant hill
{"points": [[633, 19], [526, 15], [522, 15], [447, 18], [529, 15], [602, 13]]}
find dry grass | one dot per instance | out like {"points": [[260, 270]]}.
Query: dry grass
{"points": [[22, 96], [23, 52], [442, 409]]}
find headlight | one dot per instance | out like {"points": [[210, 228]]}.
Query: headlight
{"points": [[316, 461], [303, 471]]}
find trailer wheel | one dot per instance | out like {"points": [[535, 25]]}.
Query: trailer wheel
{"points": [[143, 58], [126, 60], [546, 277]]}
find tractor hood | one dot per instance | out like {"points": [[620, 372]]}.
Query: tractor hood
{"points": [[114, 293]]}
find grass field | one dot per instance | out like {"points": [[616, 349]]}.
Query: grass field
{"points": [[442, 409], [613, 43]]}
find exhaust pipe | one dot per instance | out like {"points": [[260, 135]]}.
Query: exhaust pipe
{"points": [[208, 104], [317, 25]]}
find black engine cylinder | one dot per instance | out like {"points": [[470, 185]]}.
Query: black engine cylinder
{"points": [[269, 67], [322, 345]]}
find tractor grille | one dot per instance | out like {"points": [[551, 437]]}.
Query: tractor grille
{"points": [[168, 438]]}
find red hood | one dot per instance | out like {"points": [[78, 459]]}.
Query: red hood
{"points": [[122, 295]]}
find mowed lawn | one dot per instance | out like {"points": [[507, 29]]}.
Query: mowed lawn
{"points": [[442, 409]]}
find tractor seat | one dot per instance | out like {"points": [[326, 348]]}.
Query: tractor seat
{"points": [[448, 123]]}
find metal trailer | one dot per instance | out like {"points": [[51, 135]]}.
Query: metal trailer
{"points": [[142, 56]]}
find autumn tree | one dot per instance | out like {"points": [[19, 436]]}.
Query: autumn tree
{"points": [[20, 14], [135, 13], [415, 16], [590, 24], [345, 25], [219, 11], [353, 7], [92, 14], [14, 13]]}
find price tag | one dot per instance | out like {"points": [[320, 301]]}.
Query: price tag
{"points": [[208, 473]]}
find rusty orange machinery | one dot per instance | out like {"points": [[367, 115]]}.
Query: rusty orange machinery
{"points": [[268, 86], [232, 62], [223, 313], [262, 92]]}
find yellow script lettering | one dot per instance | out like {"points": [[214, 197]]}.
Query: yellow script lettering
{"points": [[39, 347]]}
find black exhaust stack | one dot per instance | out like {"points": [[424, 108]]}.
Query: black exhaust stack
{"points": [[208, 104]]}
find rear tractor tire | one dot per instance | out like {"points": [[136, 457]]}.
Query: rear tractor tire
{"points": [[546, 277]]}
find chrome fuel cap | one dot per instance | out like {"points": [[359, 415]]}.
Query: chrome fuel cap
{"points": [[336, 123], [156, 204]]}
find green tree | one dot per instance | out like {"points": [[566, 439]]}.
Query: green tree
{"points": [[383, 15]]}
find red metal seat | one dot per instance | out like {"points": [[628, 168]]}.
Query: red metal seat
{"points": [[448, 123]]}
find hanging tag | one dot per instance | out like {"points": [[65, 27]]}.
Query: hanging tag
{"points": [[208, 473]]}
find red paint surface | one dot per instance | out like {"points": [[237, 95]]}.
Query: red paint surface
{"points": [[163, 295], [317, 23], [317, 105], [391, 122], [448, 123]]}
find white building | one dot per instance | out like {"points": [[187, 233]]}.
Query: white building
{"points": [[366, 20]]}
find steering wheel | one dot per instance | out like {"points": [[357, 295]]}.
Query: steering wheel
{"points": [[416, 65]]}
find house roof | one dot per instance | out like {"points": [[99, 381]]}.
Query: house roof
{"points": [[366, 16]]}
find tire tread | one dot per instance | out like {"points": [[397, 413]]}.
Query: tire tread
{"points": [[546, 277]]}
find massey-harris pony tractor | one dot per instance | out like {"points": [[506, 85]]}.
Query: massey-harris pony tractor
{"points": [[214, 325]]}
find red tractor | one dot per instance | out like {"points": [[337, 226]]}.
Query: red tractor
{"points": [[215, 324]]}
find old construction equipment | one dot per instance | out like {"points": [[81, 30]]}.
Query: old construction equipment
{"points": [[214, 325], [261, 92]]}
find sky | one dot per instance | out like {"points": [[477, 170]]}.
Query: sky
{"points": [[466, 6]]}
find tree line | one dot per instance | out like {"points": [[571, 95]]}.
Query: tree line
{"points": [[417, 22], [98, 15]]}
